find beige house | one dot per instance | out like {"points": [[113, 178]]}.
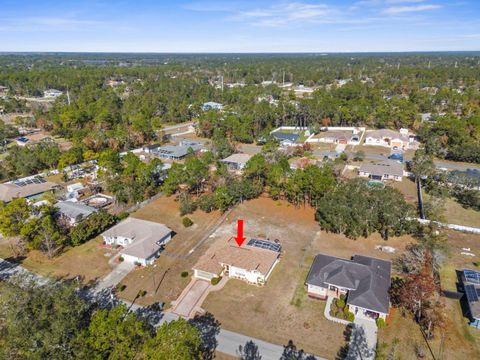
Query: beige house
{"points": [[29, 189], [236, 162], [389, 138], [253, 262]]}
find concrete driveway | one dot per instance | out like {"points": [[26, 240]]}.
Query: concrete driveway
{"points": [[115, 276], [190, 297]]}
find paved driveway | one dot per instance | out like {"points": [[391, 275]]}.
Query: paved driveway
{"points": [[190, 297], [115, 276]]}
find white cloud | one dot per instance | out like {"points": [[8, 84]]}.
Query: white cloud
{"points": [[412, 8], [286, 13]]}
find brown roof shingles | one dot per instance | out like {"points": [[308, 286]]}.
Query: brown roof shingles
{"points": [[244, 257]]}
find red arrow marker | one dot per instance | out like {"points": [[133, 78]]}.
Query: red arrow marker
{"points": [[239, 238]]}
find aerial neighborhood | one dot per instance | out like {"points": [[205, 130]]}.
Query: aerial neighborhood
{"points": [[312, 211]]}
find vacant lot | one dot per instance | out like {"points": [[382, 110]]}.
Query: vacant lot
{"points": [[457, 214], [88, 261], [163, 281]]}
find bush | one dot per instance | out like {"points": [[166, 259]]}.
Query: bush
{"points": [[350, 316], [137, 263], [92, 226], [340, 303], [121, 259], [187, 205], [380, 323], [184, 274], [215, 280], [207, 203], [121, 287], [343, 297], [187, 222]]}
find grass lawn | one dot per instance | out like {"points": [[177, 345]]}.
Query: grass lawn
{"points": [[460, 341], [407, 187], [457, 214], [162, 281], [87, 260], [280, 310]]}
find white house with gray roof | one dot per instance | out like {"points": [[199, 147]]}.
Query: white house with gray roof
{"points": [[364, 280], [142, 240], [236, 162], [382, 170], [74, 212]]}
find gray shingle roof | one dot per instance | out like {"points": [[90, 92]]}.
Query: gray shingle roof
{"points": [[380, 168], [74, 210], [368, 279]]}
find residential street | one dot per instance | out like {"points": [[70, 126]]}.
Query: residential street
{"points": [[228, 341]]}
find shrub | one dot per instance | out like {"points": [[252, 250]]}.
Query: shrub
{"points": [[380, 323], [350, 316], [137, 263], [123, 215], [121, 259], [91, 227], [187, 205], [215, 280], [187, 222], [184, 274], [121, 287], [343, 297], [207, 203], [340, 303]]}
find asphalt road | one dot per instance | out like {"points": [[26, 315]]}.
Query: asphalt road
{"points": [[228, 341]]}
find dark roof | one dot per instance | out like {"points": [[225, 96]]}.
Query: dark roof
{"points": [[471, 286], [368, 279], [285, 136]]}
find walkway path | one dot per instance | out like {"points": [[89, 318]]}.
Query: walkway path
{"points": [[328, 305]]}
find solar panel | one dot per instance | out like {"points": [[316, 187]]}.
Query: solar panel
{"points": [[264, 244], [472, 276], [471, 293]]}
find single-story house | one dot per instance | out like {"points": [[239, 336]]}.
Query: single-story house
{"points": [[29, 188], [364, 280], [471, 287], [52, 93], [74, 212], [211, 105], [382, 170], [142, 240], [177, 152], [389, 138], [149, 149], [74, 190], [286, 138], [253, 262], [236, 162]]}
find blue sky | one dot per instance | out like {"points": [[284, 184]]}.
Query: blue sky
{"points": [[239, 26]]}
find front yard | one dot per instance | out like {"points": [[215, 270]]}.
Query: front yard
{"points": [[89, 261], [163, 281]]}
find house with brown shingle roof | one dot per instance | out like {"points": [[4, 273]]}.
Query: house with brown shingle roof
{"points": [[252, 262], [29, 189]]}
